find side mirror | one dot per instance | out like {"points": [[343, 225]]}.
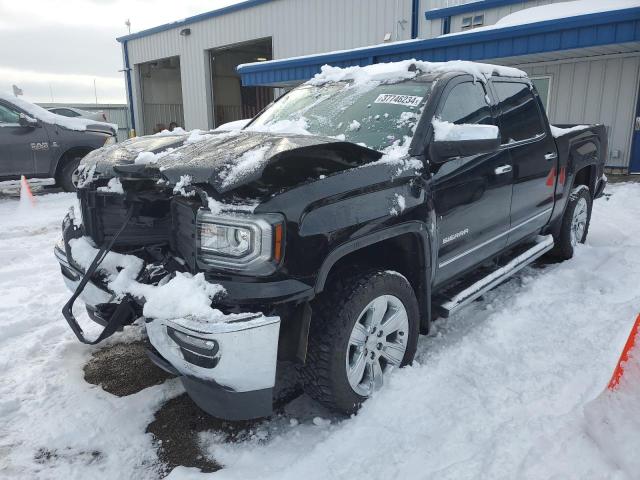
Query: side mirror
{"points": [[462, 140], [25, 121], [444, 150]]}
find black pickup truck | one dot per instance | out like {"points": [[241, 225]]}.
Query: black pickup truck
{"points": [[395, 199]]}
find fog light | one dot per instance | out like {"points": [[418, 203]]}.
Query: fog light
{"points": [[202, 352]]}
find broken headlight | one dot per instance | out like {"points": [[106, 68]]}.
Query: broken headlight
{"points": [[245, 244]]}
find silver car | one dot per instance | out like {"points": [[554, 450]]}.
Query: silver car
{"points": [[99, 116]]}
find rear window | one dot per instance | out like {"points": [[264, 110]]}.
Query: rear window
{"points": [[520, 118]]}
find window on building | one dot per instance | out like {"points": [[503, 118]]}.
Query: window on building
{"points": [[466, 103], [467, 22], [8, 115], [520, 118], [446, 25], [543, 86], [478, 20]]}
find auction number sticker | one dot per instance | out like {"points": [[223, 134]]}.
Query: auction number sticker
{"points": [[408, 100]]}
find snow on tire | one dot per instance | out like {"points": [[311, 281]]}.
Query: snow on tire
{"points": [[575, 222]]}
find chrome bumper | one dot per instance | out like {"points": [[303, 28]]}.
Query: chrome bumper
{"points": [[239, 355], [92, 295]]}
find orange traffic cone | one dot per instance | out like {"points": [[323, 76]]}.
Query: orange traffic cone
{"points": [[26, 197], [624, 357]]}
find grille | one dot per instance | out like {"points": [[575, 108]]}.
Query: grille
{"points": [[183, 232], [104, 212]]}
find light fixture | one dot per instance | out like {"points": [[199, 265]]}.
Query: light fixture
{"points": [[185, 32], [261, 59]]}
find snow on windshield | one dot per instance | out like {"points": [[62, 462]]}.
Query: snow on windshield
{"points": [[72, 123], [375, 114]]}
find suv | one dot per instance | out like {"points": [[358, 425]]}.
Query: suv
{"points": [[39, 144], [398, 193]]}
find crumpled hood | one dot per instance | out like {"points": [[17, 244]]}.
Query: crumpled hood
{"points": [[103, 159], [228, 160]]}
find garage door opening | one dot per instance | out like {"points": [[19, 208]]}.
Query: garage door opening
{"points": [[161, 94], [232, 101]]}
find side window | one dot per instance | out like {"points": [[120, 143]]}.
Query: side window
{"points": [[7, 115], [520, 117], [467, 103]]}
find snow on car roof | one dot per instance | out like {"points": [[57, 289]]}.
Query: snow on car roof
{"points": [[407, 69], [72, 123], [553, 12]]}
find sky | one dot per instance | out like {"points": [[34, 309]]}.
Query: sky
{"points": [[53, 50]]}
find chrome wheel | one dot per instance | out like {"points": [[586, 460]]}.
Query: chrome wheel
{"points": [[377, 343], [75, 178], [579, 222]]}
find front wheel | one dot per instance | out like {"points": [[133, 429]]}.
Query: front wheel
{"points": [[362, 327], [68, 175], [575, 223]]}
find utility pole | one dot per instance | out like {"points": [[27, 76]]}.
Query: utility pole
{"points": [[51, 92], [95, 91]]}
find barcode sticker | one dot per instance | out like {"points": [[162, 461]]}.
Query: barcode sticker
{"points": [[408, 100]]}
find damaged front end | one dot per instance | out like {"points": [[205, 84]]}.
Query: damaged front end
{"points": [[227, 366]]}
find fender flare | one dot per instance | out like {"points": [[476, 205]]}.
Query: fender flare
{"points": [[418, 228]]}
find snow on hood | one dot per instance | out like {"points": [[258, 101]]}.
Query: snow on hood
{"points": [[553, 12], [227, 160], [71, 123], [102, 160], [408, 69]]}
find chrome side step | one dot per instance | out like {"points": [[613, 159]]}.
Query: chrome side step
{"points": [[470, 293]]}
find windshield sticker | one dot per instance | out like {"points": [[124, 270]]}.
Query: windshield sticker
{"points": [[408, 100]]}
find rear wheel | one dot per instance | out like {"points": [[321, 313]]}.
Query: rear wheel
{"points": [[363, 327], [575, 223], [67, 177]]}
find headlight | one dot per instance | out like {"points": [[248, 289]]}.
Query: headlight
{"points": [[251, 243], [110, 140]]}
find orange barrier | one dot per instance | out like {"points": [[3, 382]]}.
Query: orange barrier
{"points": [[619, 371], [25, 191]]}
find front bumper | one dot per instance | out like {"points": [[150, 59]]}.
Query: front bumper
{"points": [[227, 368]]}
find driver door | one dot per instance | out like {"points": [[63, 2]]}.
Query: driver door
{"points": [[21, 148], [472, 195]]}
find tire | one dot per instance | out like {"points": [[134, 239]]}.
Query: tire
{"points": [[575, 222], [332, 349], [65, 177]]}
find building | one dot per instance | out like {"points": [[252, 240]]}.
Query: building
{"points": [[583, 57]]}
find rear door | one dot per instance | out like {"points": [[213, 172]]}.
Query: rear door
{"points": [[22, 149], [533, 155], [472, 195]]}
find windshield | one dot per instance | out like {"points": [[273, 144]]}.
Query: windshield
{"points": [[373, 114]]}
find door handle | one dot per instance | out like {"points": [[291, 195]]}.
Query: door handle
{"points": [[501, 170], [550, 156]]}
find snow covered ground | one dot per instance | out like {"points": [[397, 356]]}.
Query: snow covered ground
{"points": [[498, 391]]}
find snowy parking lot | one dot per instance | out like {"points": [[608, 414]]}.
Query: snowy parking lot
{"points": [[512, 387]]}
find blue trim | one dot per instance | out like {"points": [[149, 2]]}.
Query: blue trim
{"points": [[468, 7], [415, 8], [196, 18], [127, 72], [592, 30]]}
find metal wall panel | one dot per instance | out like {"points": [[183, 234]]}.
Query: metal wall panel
{"points": [[297, 27], [433, 28], [602, 90]]}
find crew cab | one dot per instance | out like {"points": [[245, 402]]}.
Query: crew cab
{"points": [[331, 230], [37, 143]]}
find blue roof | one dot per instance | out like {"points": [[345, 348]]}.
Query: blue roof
{"points": [[591, 30], [468, 7], [196, 18]]}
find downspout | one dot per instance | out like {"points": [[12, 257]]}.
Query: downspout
{"points": [[415, 8], [127, 72]]}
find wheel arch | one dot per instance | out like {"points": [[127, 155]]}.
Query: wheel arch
{"points": [[405, 248], [71, 153]]}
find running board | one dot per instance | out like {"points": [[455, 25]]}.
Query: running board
{"points": [[469, 294]]}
